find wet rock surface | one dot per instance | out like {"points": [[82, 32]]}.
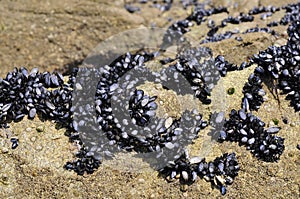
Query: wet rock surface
{"points": [[54, 35]]}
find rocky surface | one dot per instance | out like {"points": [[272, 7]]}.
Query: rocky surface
{"points": [[54, 35]]}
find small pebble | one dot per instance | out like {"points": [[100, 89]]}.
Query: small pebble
{"points": [[38, 148], [184, 187], [231, 91], [40, 129], [33, 139], [4, 150], [285, 120]]}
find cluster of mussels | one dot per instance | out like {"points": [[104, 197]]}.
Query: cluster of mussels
{"points": [[242, 126], [201, 13], [163, 5], [248, 130], [281, 65], [220, 172], [28, 93], [126, 115], [270, 60], [141, 108], [224, 66], [84, 163], [182, 26], [163, 139], [253, 93], [202, 76]]}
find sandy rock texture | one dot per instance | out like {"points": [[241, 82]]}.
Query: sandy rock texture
{"points": [[58, 35]]}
